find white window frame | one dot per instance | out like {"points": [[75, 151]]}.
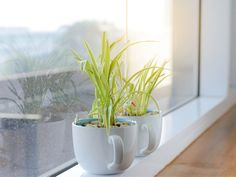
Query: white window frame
{"points": [[184, 125]]}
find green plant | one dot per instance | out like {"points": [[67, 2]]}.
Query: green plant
{"points": [[105, 73], [140, 91], [102, 73], [112, 90]]}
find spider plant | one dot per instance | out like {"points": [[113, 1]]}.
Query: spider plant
{"points": [[112, 89], [140, 91], [105, 73]]}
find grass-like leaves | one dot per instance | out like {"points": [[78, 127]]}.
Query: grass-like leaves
{"points": [[141, 89], [112, 90], [105, 73]]}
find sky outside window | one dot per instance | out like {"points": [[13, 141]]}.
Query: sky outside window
{"points": [[49, 15]]}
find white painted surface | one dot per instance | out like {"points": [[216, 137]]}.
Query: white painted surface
{"points": [[185, 47], [99, 153], [181, 127], [215, 47], [233, 43], [149, 133]]}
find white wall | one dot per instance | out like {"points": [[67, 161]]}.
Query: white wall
{"points": [[185, 47], [233, 43], [215, 47]]}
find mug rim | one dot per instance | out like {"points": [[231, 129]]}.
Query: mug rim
{"points": [[122, 119], [146, 115]]}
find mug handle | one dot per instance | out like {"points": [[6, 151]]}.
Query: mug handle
{"points": [[152, 141], [118, 149]]}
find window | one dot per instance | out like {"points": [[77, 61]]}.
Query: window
{"points": [[41, 89], [175, 25]]}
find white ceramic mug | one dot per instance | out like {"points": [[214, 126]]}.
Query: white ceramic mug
{"points": [[149, 133], [100, 153]]}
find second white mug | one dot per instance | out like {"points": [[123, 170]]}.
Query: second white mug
{"points": [[149, 133]]}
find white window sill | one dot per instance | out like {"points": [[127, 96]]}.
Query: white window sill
{"points": [[181, 127]]}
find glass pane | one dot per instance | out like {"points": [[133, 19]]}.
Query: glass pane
{"points": [[174, 24], [41, 89]]}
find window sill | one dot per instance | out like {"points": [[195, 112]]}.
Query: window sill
{"points": [[181, 127]]}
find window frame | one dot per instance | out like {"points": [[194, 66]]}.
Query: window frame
{"points": [[215, 96]]}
